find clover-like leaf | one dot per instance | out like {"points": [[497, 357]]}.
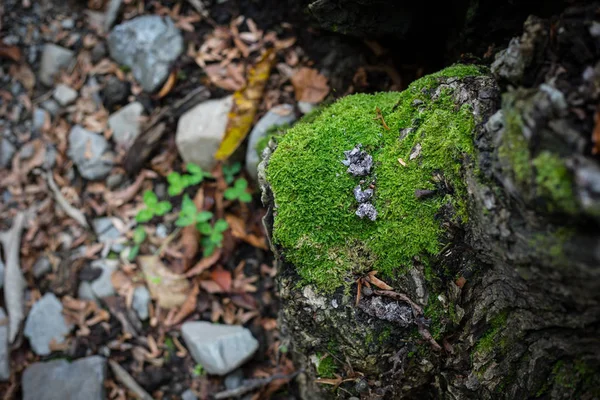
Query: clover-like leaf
{"points": [[150, 198], [162, 208], [221, 225], [204, 216], [144, 215], [176, 183], [133, 252], [204, 228], [245, 197], [229, 172]]}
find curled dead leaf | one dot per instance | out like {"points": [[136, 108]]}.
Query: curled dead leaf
{"points": [[310, 85], [170, 290], [168, 86]]}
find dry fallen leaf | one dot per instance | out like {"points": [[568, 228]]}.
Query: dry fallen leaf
{"points": [[309, 85], [222, 278], [169, 84], [11, 52], [188, 307], [238, 230], [204, 264], [378, 282], [245, 104], [169, 289]]}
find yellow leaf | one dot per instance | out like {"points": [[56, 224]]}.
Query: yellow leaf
{"points": [[245, 104]]}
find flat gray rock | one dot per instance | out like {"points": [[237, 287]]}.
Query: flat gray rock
{"points": [[107, 233], [189, 395], [102, 286], [201, 130], [148, 45], [54, 58], [39, 118], [90, 153], [64, 95], [277, 116], [61, 380], [141, 300], [125, 124], [218, 348], [46, 323], [4, 351]]}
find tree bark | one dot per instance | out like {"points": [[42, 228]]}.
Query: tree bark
{"points": [[517, 289]]}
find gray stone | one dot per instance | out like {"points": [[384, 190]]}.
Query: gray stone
{"points": [[51, 106], [61, 380], [362, 196], [64, 95], [218, 348], [7, 150], [279, 115], [189, 395], [358, 161], [27, 151], [161, 231], [113, 181], [102, 286], [98, 52], [234, 380], [41, 267], [115, 92], [148, 45], [367, 210], [112, 13], [125, 124], [201, 130], [46, 323], [141, 300], [39, 119], [305, 107], [50, 158], [107, 233], [54, 58], [4, 350], [68, 23], [90, 153]]}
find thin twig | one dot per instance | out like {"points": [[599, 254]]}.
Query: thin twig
{"points": [[252, 384], [126, 379], [71, 211]]}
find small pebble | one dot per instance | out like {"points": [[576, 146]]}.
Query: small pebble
{"points": [[362, 196], [424, 193], [367, 210]]}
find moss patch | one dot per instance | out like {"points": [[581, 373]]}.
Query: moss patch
{"points": [[489, 341], [554, 182], [326, 367], [315, 222]]}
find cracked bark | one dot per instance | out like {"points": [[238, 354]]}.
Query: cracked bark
{"points": [[519, 284]]}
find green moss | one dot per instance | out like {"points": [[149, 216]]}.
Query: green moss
{"points": [[554, 182], [315, 219], [552, 245], [489, 341], [514, 150], [326, 367]]}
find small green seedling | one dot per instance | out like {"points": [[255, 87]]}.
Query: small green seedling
{"points": [[153, 207], [213, 235], [139, 235], [230, 171], [178, 182], [199, 370], [189, 214], [238, 191]]}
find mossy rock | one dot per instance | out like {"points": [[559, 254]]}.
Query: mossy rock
{"points": [[315, 224]]}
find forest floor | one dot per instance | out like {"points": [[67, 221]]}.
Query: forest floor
{"points": [[94, 241]]}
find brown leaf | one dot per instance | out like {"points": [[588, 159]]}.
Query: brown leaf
{"points": [[168, 86], [596, 133], [460, 282], [310, 86], [238, 230], [11, 52], [188, 307], [378, 282], [169, 289], [204, 264], [24, 74], [211, 286], [222, 278], [334, 382]]}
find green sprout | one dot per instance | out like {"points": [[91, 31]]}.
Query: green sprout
{"points": [[229, 172], [213, 235], [190, 215], [139, 235], [199, 370], [178, 182], [238, 191], [153, 207]]}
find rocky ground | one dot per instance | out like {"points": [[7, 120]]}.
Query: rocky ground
{"points": [[110, 116]]}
